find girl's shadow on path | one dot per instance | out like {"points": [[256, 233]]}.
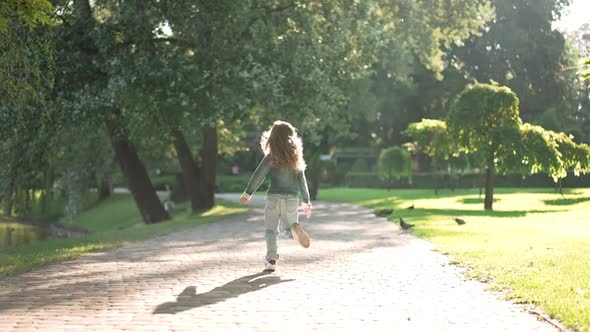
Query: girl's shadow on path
{"points": [[189, 298]]}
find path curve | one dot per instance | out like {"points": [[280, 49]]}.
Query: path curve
{"points": [[361, 272]]}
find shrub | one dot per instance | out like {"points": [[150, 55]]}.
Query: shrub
{"points": [[393, 163]]}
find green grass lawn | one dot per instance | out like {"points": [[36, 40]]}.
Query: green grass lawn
{"points": [[535, 245], [111, 223]]}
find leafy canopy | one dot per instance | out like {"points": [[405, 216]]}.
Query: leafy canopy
{"points": [[484, 123], [431, 137], [25, 51], [484, 120], [586, 71]]}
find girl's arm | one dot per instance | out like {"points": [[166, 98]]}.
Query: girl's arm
{"points": [[256, 179], [302, 185]]}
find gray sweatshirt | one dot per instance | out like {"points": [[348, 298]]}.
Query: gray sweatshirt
{"points": [[283, 180]]}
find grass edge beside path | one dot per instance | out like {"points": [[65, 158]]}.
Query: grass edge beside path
{"points": [[534, 246], [112, 224]]}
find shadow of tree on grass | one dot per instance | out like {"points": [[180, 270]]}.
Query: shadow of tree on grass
{"points": [[189, 298], [474, 213], [566, 201], [474, 200]]}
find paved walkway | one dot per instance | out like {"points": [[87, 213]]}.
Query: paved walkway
{"points": [[360, 272]]}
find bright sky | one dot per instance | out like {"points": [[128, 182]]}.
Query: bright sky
{"points": [[575, 15]]}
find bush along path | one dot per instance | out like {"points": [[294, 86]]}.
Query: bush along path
{"points": [[360, 272]]}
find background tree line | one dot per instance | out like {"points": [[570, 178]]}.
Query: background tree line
{"points": [[100, 87]]}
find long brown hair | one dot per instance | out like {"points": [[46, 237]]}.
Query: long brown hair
{"points": [[283, 146]]}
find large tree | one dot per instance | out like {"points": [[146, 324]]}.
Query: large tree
{"points": [[484, 123], [179, 69], [406, 81], [521, 50], [580, 49], [94, 45], [26, 55], [391, 44]]}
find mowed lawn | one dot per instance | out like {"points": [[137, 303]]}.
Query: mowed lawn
{"points": [[111, 223], [535, 245]]}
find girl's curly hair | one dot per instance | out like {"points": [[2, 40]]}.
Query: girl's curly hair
{"points": [[283, 146]]}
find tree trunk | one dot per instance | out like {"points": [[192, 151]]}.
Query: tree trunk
{"points": [[105, 190], [190, 171], [83, 9], [559, 187], [140, 185], [10, 198], [29, 198], [489, 199], [48, 192], [208, 168]]}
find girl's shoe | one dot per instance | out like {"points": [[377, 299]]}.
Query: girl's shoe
{"points": [[300, 235], [270, 266]]}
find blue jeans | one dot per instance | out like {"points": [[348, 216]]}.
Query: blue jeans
{"points": [[279, 214]]}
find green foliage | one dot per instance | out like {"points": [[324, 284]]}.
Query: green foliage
{"points": [[553, 153], [542, 153], [182, 65], [484, 120], [431, 137], [529, 149], [484, 123], [26, 52], [575, 157], [521, 50], [518, 49], [585, 73], [425, 31], [409, 64], [27, 13], [393, 163]]}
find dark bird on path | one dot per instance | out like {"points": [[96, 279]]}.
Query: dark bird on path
{"points": [[459, 221], [382, 212], [411, 207], [404, 225]]}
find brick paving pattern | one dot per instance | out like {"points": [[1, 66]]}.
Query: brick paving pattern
{"points": [[360, 272]]}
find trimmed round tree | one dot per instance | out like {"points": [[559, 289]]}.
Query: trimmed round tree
{"points": [[393, 163], [431, 137], [484, 121]]}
